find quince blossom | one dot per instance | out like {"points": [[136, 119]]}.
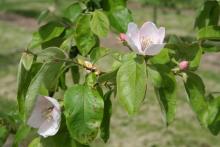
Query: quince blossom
{"points": [[146, 41], [46, 116]]}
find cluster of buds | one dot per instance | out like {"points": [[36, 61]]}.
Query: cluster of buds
{"points": [[91, 68]]}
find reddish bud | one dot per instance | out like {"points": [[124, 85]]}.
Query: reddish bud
{"points": [[122, 37], [183, 65]]}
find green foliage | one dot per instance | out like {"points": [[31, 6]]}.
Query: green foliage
{"points": [[84, 112], [73, 11], [208, 15], [99, 23], [209, 33], [84, 37], [195, 89], [132, 84], [165, 87], [46, 33], [105, 125]]}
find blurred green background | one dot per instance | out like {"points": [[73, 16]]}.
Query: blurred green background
{"points": [[18, 20]]}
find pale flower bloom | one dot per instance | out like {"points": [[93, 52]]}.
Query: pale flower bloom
{"points": [[146, 41], [46, 116]]}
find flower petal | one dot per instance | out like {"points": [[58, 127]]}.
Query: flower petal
{"points": [[37, 117], [133, 37], [154, 49], [49, 128], [54, 102], [150, 30], [161, 34]]}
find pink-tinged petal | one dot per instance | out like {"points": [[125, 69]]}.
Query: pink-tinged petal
{"points": [[133, 36], [49, 128], [122, 37], [154, 49], [37, 117], [54, 102], [161, 34], [149, 30]]}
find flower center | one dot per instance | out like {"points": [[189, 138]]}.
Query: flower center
{"points": [[145, 42], [47, 113]]}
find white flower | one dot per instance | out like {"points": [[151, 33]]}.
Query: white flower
{"points": [[46, 116], [146, 41]]}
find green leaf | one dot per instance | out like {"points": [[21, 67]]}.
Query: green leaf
{"points": [[194, 64], [91, 79], [75, 73], [23, 81], [52, 54], [196, 94], [208, 15], [155, 76], [27, 60], [131, 84], [3, 134], [161, 58], [110, 77], [214, 115], [209, 32], [165, 89], [73, 11], [98, 53], [99, 23], [84, 112], [119, 18], [84, 37], [211, 46], [105, 125], [43, 15], [46, 33], [21, 134], [35, 143]]}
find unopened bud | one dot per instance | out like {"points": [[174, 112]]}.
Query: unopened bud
{"points": [[88, 64], [122, 37], [183, 65]]}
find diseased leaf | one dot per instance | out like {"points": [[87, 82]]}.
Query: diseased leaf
{"points": [[84, 112]]}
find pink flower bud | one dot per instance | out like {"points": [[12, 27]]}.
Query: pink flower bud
{"points": [[122, 37], [183, 65]]}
